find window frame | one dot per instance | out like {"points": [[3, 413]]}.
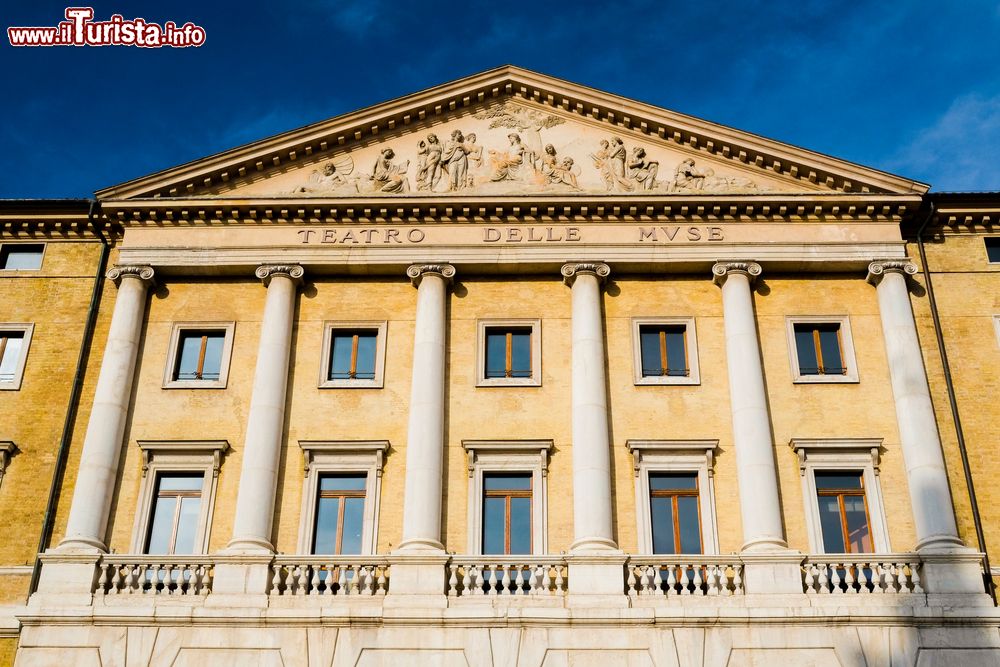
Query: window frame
{"points": [[846, 349], [691, 347], [27, 329], [508, 456], [675, 456], [535, 327], [380, 327], [173, 350], [178, 456], [341, 456], [41, 260], [845, 454]]}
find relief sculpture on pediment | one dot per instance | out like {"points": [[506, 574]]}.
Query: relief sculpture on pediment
{"points": [[507, 149]]}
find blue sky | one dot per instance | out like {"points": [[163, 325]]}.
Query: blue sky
{"points": [[908, 87]]}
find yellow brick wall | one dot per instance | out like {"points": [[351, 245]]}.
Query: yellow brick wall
{"points": [[8, 647], [55, 299], [967, 291]]}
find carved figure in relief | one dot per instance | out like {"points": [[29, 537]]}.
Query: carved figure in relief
{"points": [[475, 153], [507, 165], [332, 176], [556, 171], [388, 177], [610, 162], [430, 170], [688, 177], [641, 170], [455, 160]]}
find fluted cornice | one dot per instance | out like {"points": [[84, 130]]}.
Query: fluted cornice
{"points": [[878, 269], [723, 269], [416, 272], [138, 271], [267, 271], [573, 269]]}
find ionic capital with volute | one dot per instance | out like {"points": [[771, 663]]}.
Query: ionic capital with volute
{"points": [[724, 268]]}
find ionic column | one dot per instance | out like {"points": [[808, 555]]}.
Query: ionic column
{"points": [[755, 468], [265, 423], [88, 515], [592, 520], [425, 431], [933, 513]]}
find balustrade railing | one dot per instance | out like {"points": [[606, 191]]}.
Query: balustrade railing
{"points": [[507, 576], [876, 574], [683, 575], [317, 576], [155, 575]]}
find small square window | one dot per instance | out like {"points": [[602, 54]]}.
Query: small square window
{"points": [[199, 355], [509, 353], [14, 341], [820, 350], [993, 249], [665, 351], [21, 256], [353, 355]]}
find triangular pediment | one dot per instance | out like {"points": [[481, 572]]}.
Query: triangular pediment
{"points": [[511, 132]]}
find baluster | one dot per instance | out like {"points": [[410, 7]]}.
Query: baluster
{"points": [[505, 581], [195, 583], [630, 584], [835, 579], [453, 580], [545, 587], [849, 578], [493, 580], [724, 581], [382, 580], [356, 579], [809, 580], [131, 577], [824, 578], [276, 580], [671, 580], [697, 580], [915, 577], [478, 580], [533, 578], [712, 574], [560, 581], [102, 581], [341, 580], [896, 578], [519, 580], [684, 579], [877, 572], [738, 579], [865, 575]]}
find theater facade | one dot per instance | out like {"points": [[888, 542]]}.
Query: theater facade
{"points": [[509, 371]]}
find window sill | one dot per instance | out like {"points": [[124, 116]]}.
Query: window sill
{"points": [[825, 379], [195, 384], [653, 381], [351, 384], [508, 382]]}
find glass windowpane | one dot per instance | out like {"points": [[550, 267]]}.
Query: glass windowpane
{"points": [[190, 348], [366, 355], [507, 482], [325, 532], [520, 525], [649, 350], [688, 522], [187, 525], [496, 354], [676, 360], [494, 511], [340, 356], [662, 519], [805, 349], [26, 256], [162, 525], [213, 356], [520, 355], [181, 483], [671, 481], [829, 343], [858, 533], [343, 482], [838, 480], [829, 518], [11, 354], [354, 513]]}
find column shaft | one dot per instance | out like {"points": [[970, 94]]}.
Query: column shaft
{"points": [[425, 430], [755, 467], [266, 420], [592, 507], [933, 512], [95, 483]]}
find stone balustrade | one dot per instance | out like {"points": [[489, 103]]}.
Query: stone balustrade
{"points": [[852, 574], [154, 575], [317, 576], [683, 575], [507, 576]]}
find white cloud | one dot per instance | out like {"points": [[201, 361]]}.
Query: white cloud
{"points": [[960, 150]]}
